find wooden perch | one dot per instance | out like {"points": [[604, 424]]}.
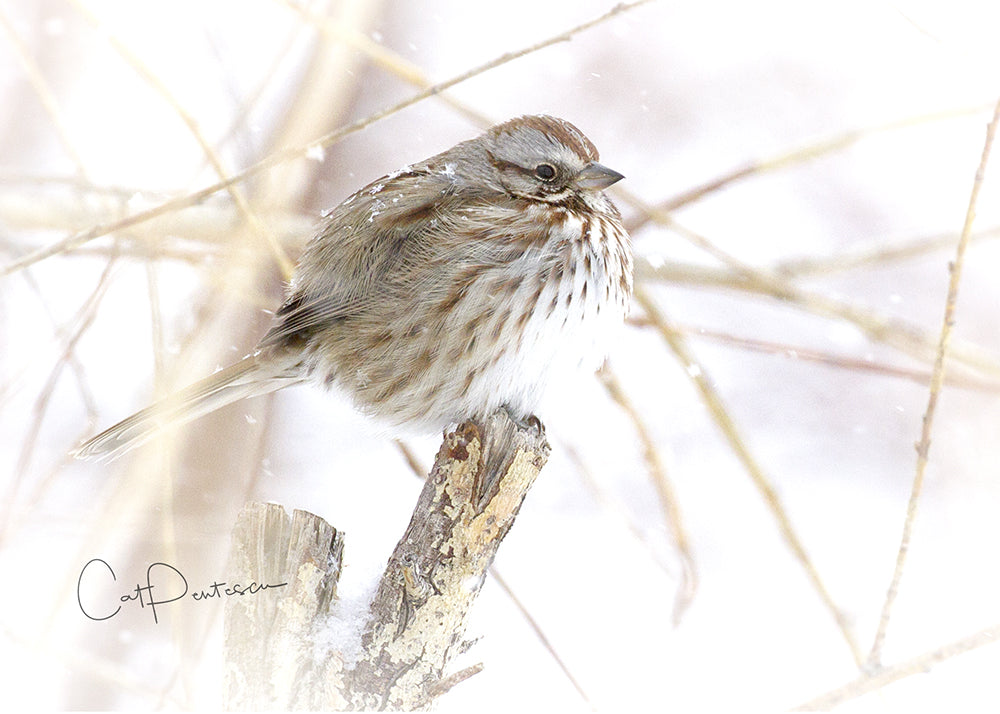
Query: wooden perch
{"points": [[417, 619], [268, 634]]}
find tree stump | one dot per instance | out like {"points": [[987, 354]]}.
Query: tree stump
{"points": [[416, 621]]}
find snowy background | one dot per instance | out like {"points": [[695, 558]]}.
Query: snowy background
{"points": [[862, 125]]}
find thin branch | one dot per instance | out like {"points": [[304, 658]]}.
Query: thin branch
{"points": [[877, 256], [799, 155], [663, 218], [615, 507], [453, 680], [540, 634], [411, 459], [807, 354], [713, 401], [866, 684], [82, 320], [937, 381], [208, 227], [664, 488], [892, 331]]}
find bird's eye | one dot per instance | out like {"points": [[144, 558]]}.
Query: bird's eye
{"points": [[546, 172]]}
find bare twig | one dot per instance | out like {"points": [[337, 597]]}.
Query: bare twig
{"points": [[85, 315], [540, 634], [411, 459], [876, 256], [664, 488], [453, 680], [724, 421], [662, 217], [808, 354], [798, 155], [892, 331], [866, 684], [937, 381]]}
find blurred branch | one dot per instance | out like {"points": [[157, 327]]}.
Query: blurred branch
{"points": [[411, 459], [876, 256], [154, 83], [937, 381], [713, 401], [799, 155], [330, 77], [279, 157], [744, 277], [806, 354], [663, 218], [894, 332], [384, 58], [41, 87], [664, 488], [205, 228], [69, 336]]}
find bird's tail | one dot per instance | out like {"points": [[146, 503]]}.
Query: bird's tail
{"points": [[247, 378]]}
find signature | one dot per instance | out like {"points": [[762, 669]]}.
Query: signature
{"points": [[168, 582]]}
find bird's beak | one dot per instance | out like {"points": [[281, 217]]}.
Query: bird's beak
{"points": [[596, 177]]}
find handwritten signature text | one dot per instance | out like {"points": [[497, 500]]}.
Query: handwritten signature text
{"points": [[169, 585]]}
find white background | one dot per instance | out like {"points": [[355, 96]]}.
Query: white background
{"points": [[674, 95]]}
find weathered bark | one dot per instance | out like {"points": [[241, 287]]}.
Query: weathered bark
{"points": [[417, 618], [269, 633]]}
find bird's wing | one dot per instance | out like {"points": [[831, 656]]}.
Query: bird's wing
{"points": [[359, 258]]}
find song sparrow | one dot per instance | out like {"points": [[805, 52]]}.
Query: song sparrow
{"points": [[443, 290]]}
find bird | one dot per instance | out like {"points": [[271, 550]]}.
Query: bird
{"points": [[441, 291]]}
